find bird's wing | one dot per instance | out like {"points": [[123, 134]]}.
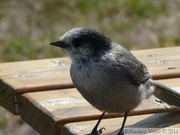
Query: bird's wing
{"points": [[133, 70]]}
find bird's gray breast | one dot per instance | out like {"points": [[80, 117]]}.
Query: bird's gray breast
{"points": [[104, 87]]}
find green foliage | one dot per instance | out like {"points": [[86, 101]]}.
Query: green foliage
{"points": [[145, 8], [28, 26]]}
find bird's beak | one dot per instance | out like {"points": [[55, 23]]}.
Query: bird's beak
{"points": [[59, 44]]}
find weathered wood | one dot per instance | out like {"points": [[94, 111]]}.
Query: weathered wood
{"points": [[50, 74], [37, 75], [56, 108], [161, 121], [161, 63], [51, 109]]}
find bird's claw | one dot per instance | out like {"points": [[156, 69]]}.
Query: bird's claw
{"points": [[101, 130], [95, 132]]}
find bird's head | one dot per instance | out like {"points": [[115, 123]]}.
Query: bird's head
{"points": [[83, 43]]}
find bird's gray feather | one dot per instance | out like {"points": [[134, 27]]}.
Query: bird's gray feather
{"points": [[107, 79]]}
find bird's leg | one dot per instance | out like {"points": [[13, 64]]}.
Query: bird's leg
{"points": [[95, 131], [121, 132]]}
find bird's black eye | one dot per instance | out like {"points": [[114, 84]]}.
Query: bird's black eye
{"points": [[81, 41], [77, 42]]}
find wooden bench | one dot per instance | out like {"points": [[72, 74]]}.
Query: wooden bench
{"points": [[42, 93]]}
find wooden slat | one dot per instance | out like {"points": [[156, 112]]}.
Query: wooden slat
{"points": [[55, 108], [36, 75], [161, 121], [162, 63], [32, 66], [49, 74], [21, 77]]}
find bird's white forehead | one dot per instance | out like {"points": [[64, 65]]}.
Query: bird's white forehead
{"points": [[71, 34]]}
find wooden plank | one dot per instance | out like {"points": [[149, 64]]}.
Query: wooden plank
{"points": [[37, 75], [44, 74], [160, 121], [162, 63], [50, 74], [31, 66], [53, 109]]}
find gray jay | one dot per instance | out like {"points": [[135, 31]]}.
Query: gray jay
{"points": [[108, 76]]}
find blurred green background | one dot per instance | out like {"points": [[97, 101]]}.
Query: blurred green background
{"points": [[27, 27]]}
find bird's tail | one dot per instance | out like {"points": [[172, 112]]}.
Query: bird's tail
{"points": [[166, 94]]}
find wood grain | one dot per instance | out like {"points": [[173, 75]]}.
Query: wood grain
{"points": [[50, 74], [160, 121], [59, 107], [39, 90], [37, 75], [54, 73], [162, 63]]}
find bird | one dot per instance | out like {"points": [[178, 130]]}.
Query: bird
{"points": [[108, 76]]}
